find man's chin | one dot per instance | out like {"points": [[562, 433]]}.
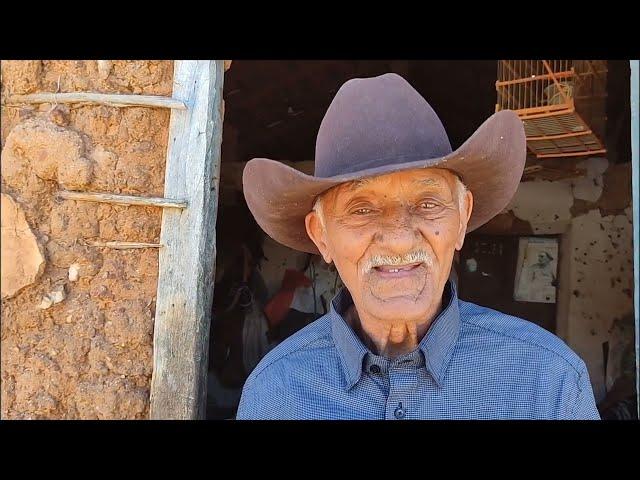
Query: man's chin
{"points": [[412, 289], [406, 304]]}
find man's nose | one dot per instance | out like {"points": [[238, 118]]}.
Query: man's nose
{"points": [[398, 233]]}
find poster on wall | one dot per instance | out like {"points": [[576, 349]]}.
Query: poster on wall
{"points": [[536, 271]]}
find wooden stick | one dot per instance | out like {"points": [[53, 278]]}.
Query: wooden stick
{"points": [[551, 113], [122, 199], [571, 154], [561, 135], [111, 100], [122, 245], [567, 74]]}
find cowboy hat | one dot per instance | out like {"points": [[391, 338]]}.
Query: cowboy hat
{"points": [[376, 126]]}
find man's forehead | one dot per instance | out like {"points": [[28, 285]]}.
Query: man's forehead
{"points": [[432, 177]]}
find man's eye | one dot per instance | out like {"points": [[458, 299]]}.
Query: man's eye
{"points": [[428, 205], [362, 211]]}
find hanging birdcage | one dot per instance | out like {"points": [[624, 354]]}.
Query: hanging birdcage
{"points": [[561, 102]]}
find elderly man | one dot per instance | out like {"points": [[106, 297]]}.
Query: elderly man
{"points": [[389, 204]]}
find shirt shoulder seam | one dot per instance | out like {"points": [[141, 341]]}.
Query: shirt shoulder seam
{"points": [[285, 355], [578, 397], [578, 372]]}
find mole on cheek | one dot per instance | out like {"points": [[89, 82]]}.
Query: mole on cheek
{"points": [[437, 232]]}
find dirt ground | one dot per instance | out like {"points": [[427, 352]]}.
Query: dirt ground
{"points": [[88, 356]]}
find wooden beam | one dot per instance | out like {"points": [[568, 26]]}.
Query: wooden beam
{"points": [[187, 260], [111, 100], [121, 199]]}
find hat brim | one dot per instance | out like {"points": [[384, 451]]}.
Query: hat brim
{"points": [[490, 162]]}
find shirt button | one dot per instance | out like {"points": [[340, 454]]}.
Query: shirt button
{"points": [[399, 413], [374, 369]]}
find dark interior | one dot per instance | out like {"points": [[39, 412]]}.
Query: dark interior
{"points": [[276, 106]]}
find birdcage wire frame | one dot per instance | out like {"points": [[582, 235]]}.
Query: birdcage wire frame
{"points": [[557, 101]]}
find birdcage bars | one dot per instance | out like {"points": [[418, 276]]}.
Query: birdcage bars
{"points": [[544, 94]]}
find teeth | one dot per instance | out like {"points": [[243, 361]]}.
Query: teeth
{"points": [[396, 270]]}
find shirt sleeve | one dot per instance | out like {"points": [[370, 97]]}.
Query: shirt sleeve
{"points": [[247, 406], [585, 403], [266, 394]]}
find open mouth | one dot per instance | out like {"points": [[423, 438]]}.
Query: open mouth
{"points": [[397, 269]]}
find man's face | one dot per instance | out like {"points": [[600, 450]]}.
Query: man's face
{"points": [[542, 259], [392, 239]]}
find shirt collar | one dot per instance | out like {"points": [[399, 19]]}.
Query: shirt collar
{"points": [[436, 346]]}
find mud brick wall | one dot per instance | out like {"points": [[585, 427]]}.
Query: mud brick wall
{"points": [[77, 320]]}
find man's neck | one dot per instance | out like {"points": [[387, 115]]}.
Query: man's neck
{"points": [[390, 339]]}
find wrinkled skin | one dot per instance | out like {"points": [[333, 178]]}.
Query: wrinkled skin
{"points": [[392, 239]]}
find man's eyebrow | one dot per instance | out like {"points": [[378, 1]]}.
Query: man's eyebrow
{"points": [[356, 184], [362, 182]]}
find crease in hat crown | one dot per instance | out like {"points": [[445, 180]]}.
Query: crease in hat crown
{"points": [[375, 121]]}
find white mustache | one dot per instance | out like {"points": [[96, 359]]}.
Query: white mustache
{"points": [[417, 256]]}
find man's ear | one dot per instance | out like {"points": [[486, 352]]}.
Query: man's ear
{"points": [[317, 233], [465, 215]]}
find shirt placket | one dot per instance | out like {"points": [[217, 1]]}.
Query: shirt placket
{"points": [[402, 381]]}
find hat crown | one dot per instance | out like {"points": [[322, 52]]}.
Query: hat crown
{"points": [[377, 121]]}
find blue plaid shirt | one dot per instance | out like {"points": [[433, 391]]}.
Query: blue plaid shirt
{"points": [[473, 363]]}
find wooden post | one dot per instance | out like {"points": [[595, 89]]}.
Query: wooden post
{"points": [[635, 186], [187, 259]]}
